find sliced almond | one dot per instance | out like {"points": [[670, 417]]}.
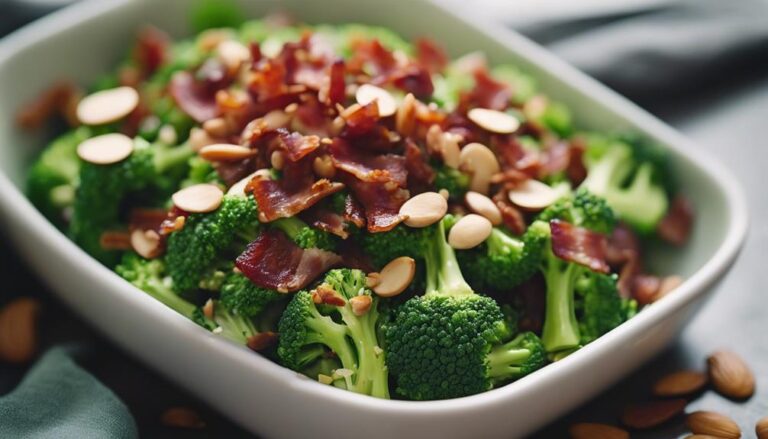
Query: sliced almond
{"points": [[434, 139], [106, 149], [730, 375], [405, 118], [761, 428], [444, 193], [199, 138], [372, 279], [652, 414], [18, 330], [323, 166], [533, 195], [216, 127], [232, 54], [470, 231], [146, 243], [277, 160], [199, 198], [494, 121], [395, 277], [484, 206], [713, 424], [368, 93], [481, 162], [682, 383], [223, 152], [589, 430], [449, 149], [182, 417], [360, 304], [107, 105], [167, 135], [424, 209], [238, 189]]}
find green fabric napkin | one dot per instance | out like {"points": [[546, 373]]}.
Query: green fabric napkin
{"points": [[57, 399]]}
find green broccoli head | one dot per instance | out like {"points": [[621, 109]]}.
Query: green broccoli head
{"points": [[52, 179], [632, 179], [452, 180], [306, 236], [383, 247], [209, 242], [516, 358], [502, 262], [599, 308], [583, 209], [308, 331], [243, 297]]}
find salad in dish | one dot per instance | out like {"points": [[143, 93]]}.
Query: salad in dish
{"points": [[355, 207]]}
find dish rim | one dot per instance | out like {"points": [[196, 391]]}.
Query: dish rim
{"points": [[15, 201]]}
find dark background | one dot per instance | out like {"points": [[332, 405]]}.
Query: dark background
{"points": [[702, 66]]}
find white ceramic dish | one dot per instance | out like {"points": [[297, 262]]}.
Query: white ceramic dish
{"points": [[86, 39]]}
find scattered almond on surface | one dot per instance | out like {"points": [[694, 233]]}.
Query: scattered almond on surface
{"points": [[652, 414], [395, 277], [199, 198], [714, 424], [18, 330], [494, 121], [730, 375], [105, 149], [682, 383], [368, 93], [182, 417], [360, 304], [424, 209], [470, 231], [589, 430], [761, 428], [107, 105]]}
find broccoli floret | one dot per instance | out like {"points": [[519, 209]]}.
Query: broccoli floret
{"points": [[630, 179], [242, 296], [150, 276], [383, 247], [502, 262], [438, 345], [207, 14], [201, 171], [306, 326], [516, 358], [209, 242], [52, 179], [570, 285], [103, 189], [452, 180], [306, 236]]}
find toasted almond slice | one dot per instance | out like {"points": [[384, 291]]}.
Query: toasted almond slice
{"points": [[232, 53], [449, 149], [238, 189], [146, 243], [761, 428], [424, 209], [199, 198], [682, 383], [198, 138], [533, 195], [481, 162], [107, 105], [470, 231], [395, 277], [106, 149], [223, 152], [589, 430], [494, 121], [482, 205], [405, 119], [216, 127], [368, 93], [444, 193], [713, 424], [372, 279], [277, 160], [730, 375], [360, 304], [323, 166]]}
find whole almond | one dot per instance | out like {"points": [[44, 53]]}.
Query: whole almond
{"points": [[589, 430], [730, 375], [684, 382], [714, 424], [701, 436], [18, 330], [652, 414], [761, 428]]}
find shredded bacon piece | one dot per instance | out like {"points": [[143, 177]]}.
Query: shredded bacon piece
{"points": [[556, 158], [147, 219], [327, 220], [430, 56], [296, 145], [623, 245], [261, 341], [420, 174], [274, 261], [59, 99], [353, 212], [337, 88], [151, 50], [381, 202], [579, 245], [644, 288], [510, 215], [487, 93], [360, 119], [115, 240], [366, 166], [194, 98], [676, 226], [576, 170]]}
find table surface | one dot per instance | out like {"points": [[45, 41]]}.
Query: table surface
{"points": [[726, 122]]}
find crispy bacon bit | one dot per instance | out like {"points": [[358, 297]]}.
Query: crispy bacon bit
{"points": [[420, 174], [381, 202], [147, 219], [256, 55], [513, 157], [326, 295], [327, 220], [293, 193], [360, 119], [623, 245], [579, 245], [296, 145], [194, 98], [414, 79], [576, 170], [367, 166], [171, 225], [430, 56], [510, 215], [353, 212], [487, 93], [336, 86], [151, 50], [274, 261], [644, 288], [115, 240], [370, 56], [676, 226], [261, 341], [629, 271], [555, 159], [59, 99]]}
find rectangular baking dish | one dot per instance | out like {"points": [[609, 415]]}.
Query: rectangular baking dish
{"points": [[87, 39]]}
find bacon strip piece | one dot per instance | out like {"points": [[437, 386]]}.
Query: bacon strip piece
{"points": [[327, 220], [381, 202], [353, 212], [676, 226], [192, 97], [366, 166], [296, 145], [579, 245], [274, 261], [275, 201], [487, 93]]}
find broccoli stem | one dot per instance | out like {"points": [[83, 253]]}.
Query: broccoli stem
{"points": [[504, 360], [326, 331], [499, 243], [371, 376], [168, 157], [443, 273], [561, 329], [291, 226], [234, 327]]}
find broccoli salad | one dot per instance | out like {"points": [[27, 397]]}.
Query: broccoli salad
{"points": [[356, 207]]}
